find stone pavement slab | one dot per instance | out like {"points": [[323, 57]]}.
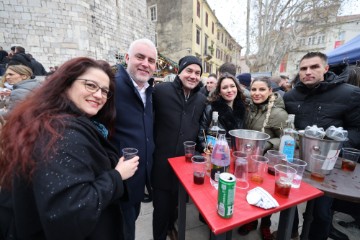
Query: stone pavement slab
{"points": [[195, 230]]}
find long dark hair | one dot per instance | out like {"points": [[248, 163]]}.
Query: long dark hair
{"points": [[215, 95], [42, 114]]}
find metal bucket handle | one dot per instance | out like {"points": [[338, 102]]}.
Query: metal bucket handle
{"points": [[248, 147], [315, 150]]}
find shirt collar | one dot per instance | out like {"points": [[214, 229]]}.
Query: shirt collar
{"points": [[146, 85]]}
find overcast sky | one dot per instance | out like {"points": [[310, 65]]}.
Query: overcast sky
{"points": [[232, 15]]}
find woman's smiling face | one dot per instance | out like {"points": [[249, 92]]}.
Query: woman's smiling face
{"points": [[259, 91], [228, 90], [88, 102]]}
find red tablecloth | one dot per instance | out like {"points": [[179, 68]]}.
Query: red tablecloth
{"points": [[205, 198]]}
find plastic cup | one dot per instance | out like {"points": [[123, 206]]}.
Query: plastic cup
{"points": [[299, 165], [189, 148], [237, 154], [275, 157], [241, 169], [350, 157], [284, 176], [129, 153], [316, 167], [199, 168], [259, 168]]}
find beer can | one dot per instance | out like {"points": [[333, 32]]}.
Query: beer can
{"points": [[226, 195]]}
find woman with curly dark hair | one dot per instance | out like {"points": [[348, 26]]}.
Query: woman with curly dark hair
{"points": [[64, 176]]}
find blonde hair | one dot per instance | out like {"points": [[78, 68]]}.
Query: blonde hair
{"points": [[21, 69], [268, 111], [2, 81]]}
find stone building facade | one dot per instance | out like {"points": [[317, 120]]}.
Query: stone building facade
{"points": [[54, 31], [186, 27], [341, 30]]}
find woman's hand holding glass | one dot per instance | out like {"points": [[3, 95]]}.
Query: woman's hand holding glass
{"points": [[127, 168]]}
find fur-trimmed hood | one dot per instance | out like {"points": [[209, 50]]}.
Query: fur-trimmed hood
{"points": [[230, 118]]}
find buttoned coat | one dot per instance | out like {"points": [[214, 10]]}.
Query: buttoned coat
{"points": [[134, 128]]}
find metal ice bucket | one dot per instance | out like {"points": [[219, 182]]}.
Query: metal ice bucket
{"points": [[324, 147], [249, 141]]}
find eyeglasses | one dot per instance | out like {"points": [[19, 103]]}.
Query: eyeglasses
{"points": [[93, 87]]}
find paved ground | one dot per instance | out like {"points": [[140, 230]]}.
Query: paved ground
{"points": [[195, 230]]}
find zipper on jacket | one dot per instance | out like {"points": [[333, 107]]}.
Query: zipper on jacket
{"points": [[318, 114]]}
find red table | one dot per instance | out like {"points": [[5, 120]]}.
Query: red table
{"points": [[205, 198]]}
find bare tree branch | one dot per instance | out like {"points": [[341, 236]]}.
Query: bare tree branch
{"points": [[278, 24]]}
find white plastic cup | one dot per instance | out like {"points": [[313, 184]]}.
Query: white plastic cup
{"points": [[259, 165], [299, 165], [241, 170], [284, 176]]}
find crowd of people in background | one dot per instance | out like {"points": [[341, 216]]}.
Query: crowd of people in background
{"points": [[62, 174], [17, 55]]}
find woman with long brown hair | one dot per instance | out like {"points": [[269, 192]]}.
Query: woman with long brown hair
{"points": [[229, 101], [65, 177]]}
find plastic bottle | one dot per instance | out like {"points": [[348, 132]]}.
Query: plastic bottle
{"points": [[288, 139], [220, 158]]}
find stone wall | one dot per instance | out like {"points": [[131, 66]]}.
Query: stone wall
{"points": [[54, 31]]}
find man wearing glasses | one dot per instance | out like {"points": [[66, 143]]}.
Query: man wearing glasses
{"points": [[134, 122]]}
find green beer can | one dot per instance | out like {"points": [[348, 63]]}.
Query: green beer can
{"points": [[226, 195]]}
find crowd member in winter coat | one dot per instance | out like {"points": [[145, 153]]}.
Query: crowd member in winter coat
{"points": [[322, 98], [134, 121], [20, 58], [210, 85], [19, 76], [325, 99], [65, 177], [229, 101], [227, 67], [245, 81], [39, 69], [178, 106], [276, 83], [354, 75], [266, 114], [3, 57]]}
